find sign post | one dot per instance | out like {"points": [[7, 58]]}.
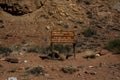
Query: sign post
{"points": [[63, 37]]}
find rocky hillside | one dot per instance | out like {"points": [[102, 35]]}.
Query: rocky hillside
{"points": [[33, 20]]}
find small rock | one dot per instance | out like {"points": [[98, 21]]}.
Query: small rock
{"points": [[93, 73], [86, 72], [21, 68], [91, 66], [66, 26], [25, 61], [104, 52], [36, 71], [20, 53], [69, 69], [12, 60], [97, 55], [12, 78], [48, 27], [78, 74]]}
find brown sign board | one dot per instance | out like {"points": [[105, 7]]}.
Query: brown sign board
{"points": [[62, 36]]}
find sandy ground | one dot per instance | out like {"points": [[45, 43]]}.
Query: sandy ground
{"points": [[105, 67]]}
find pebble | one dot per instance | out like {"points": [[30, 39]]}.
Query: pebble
{"points": [[25, 61], [12, 78], [93, 73], [91, 66], [21, 68], [97, 55], [48, 27]]}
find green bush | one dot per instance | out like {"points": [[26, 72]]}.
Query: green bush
{"points": [[68, 69], [58, 47], [15, 47], [114, 45], [5, 50], [89, 32], [36, 49], [62, 48], [36, 71]]}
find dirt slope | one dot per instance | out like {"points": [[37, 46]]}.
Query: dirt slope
{"points": [[57, 14], [102, 68]]}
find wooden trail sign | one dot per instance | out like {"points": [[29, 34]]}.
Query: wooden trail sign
{"points": [[62, 37]]}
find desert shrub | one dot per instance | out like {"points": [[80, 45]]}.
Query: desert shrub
{"points": [[68, 69], [36, 49], [39, 49], [89, 32], [66, 26], [62, 48], [36, 71], [4, 50], [114, 45], [15, 47], [58, 47]]}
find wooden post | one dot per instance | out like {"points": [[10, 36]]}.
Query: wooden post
{"points": [[51, 45], [74, 44]]}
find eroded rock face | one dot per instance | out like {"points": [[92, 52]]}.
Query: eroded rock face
{"points": [[20, 7], [14, 7]]}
